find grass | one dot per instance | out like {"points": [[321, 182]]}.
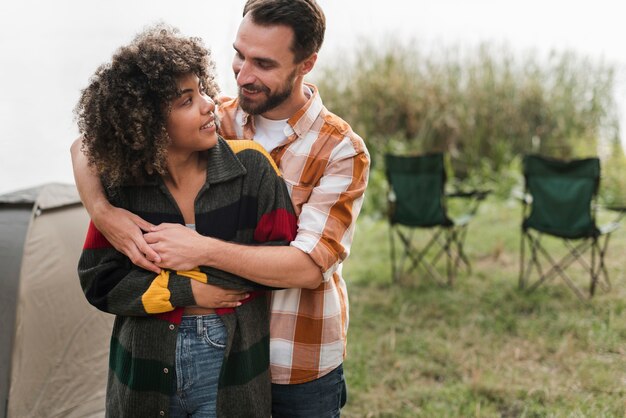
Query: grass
{"points": [[482, 348]]}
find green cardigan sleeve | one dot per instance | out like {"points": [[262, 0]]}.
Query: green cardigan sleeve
{"points": [[113, 284]]}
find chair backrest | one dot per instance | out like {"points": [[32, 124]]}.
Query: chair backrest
{"points": [[562, 194], [418, 185]]}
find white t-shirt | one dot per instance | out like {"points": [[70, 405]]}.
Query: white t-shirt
{"points": [[269, 133]]}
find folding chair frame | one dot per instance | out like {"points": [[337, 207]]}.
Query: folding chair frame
{"points": [[577, 250], [448, 240], [447, 235], [596, 244]]}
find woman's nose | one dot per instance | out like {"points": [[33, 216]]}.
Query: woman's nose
{"points": [[208, 105]]}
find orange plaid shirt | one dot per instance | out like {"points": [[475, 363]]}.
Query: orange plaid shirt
{"points": [[325, 166]]}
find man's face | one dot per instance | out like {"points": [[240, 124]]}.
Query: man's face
{"points": [[264, 68]]}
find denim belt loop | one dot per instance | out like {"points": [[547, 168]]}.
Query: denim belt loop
{"points": [[199, 324]]}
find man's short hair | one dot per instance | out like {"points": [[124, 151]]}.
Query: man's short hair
{"points": [[304, 17]]}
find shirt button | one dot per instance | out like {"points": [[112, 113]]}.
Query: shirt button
{"points": [[162, 413], [165, 370], [172, 327]]}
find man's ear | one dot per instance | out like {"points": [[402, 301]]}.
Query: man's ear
{"points": [[307, 65]]}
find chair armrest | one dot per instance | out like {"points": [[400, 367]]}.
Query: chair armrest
{"points": [[621, 210], [475, 194], [525, 198], [614, 208], [472, 199]]}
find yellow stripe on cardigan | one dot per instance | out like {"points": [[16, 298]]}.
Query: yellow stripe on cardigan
{"points": [[238, 145], [157, 298], [194, 274]]}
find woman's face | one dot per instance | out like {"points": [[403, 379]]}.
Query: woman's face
{"points": [[191, 121]]}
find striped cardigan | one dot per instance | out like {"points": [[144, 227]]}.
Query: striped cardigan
{"points": [[244, 200]]}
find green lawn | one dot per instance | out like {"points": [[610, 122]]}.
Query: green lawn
{"points": [[482, 348]]}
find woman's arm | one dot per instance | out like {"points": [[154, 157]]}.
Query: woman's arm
{"points": [[113, 284]]}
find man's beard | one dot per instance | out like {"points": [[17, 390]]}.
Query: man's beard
{"points": [[272, 100]]}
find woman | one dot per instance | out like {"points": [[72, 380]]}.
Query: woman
{"points": [[149, 129]]}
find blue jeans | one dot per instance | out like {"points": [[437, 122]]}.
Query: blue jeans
{"points": [[199, 355], [321, 398]]}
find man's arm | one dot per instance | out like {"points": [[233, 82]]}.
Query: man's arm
{"points": [[312, 257], [274, 263], [121, 228], [275, 266], [283, 266]]}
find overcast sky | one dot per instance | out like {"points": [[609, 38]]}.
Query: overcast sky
{"points": [[48, 50]]}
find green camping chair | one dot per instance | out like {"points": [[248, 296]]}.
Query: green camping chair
{"points": [[417, 199], [560, 201]]}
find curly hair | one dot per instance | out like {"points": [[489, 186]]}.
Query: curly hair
{"points": [[122, 113]]}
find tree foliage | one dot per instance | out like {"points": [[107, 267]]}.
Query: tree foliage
{"points": [[484, 106]]}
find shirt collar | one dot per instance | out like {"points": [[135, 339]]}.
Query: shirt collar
{"points": [[222, 165], [302, 121]]}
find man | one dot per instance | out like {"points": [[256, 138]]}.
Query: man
{"points": [[325, 166]]}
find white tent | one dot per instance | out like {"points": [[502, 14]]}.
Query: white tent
{"points": [[53, 344]]}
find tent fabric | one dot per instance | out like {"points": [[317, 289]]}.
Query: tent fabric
{"points": [[58, 359], [49, 196], [14, 223]]}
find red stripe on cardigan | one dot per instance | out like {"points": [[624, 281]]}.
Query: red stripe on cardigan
{"points": [[174, 317], [278, 225], [95, 239]]}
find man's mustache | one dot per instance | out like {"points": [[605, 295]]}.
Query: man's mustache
{"points": [[254, 87]]}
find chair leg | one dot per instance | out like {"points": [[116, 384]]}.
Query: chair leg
{"points": [[605, 273], [456, 255], [522, 278], [392, 248], [444, 242], [421, 259], [459, 238], [558, 268], [594, 273], [449, 260], [599, 270]]}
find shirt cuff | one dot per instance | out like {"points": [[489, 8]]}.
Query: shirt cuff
{"points": [[318, 253]]}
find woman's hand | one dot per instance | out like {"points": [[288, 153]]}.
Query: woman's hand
{"points": [[209, 296], [123, 230]]}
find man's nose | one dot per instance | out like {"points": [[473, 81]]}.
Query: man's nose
{"points": [[244, 74]]}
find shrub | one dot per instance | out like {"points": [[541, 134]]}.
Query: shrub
{"points": [[485, 107]]}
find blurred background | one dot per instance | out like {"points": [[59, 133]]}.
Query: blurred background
{"points": [[485, 81], [452, 73]]}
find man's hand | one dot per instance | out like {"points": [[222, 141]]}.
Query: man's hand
{"points": [[179, 247], [209, 296], [123, 230]]}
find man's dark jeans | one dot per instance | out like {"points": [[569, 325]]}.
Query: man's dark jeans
{"points": [[321, 398]]}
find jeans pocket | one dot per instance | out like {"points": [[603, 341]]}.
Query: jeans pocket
{"points": [[215, 333]]}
